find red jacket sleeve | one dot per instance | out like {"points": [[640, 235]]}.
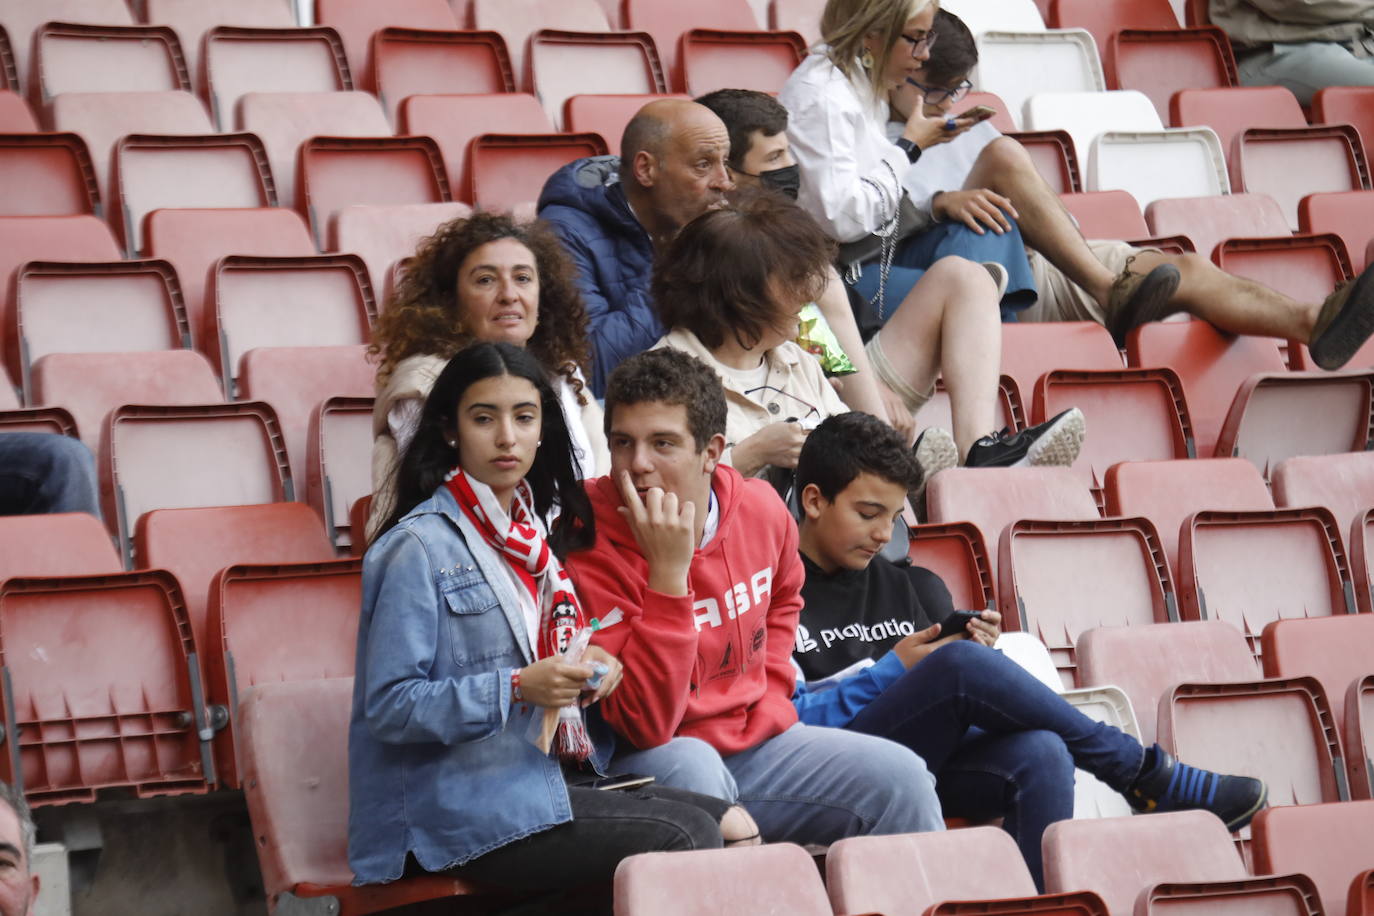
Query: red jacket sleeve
{"points": [[655, 639], [783, 614]]}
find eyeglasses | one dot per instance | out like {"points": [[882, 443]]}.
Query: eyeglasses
{"points": [[808, 414], [937, 94], [925, 40]]}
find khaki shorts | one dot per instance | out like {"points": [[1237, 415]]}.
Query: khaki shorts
{"points": [[1063, 300], [913, 399]]}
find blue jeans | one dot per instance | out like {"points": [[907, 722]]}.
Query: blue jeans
{"points": [[999, 742], [914, 255], [810, 784], [45, 472]]}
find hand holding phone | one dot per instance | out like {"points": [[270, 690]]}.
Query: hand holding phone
{"points": [[979, 113], [956, 624]]}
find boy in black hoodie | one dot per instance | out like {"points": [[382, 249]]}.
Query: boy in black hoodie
{"points": [[999, 742]]}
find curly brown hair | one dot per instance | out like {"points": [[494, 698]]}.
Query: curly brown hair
{"points": [[422, 316]]}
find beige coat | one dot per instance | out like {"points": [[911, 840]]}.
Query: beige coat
{"points": [[1253, 23]]}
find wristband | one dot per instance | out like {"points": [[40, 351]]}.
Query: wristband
{"points": [[913, 152], [515, 693]]}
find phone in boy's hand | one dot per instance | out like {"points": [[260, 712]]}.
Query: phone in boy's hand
{"points": [[956, 624], [978, 113]]}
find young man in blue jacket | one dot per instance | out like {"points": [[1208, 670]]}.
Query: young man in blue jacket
{"points": [[870, 659]]}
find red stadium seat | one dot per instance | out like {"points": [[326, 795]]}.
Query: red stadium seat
{"points": [[1359, 736], [47, 175], [195, 544], [99, 307], [1230, 111], [1281, 895], [564, 64], [15, 116], [456, 120], [1053, 155], [357, 21], [1119, 573], [516, 20], [1306, 268], [69, 57], [102, 118], [1346, 105], [1179, 846], [21, 18], [217, 171], [15, 419], [193, 240], [385, 235], [102, 690], [90, 385], [1361, 546], [777, 877], [243, 60], [957, 554], [1147, 661], [1104, 20], [45, 546], [1167, 492], [9, 75], [1338, 651], [288, 621], [1349, 214], [188, 457], [1342, 483], [192, 19], [1107, 215], [993, 498], [510, 169], [320, 301], [421, 62], [1333, 161], [667, 22], [303, 836], [285, 120], [606, 115], [713, 59], [1329, 843], [337, 172], [1160, 63], [1001, 119], [44, 238], [338, 468], [1209, 221], [295, 381]]}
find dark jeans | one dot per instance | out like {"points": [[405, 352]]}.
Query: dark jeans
{"points": [[607, 826], [915, 254], [999, 742], [45, 472]]}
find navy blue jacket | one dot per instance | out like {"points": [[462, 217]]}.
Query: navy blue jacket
{"points": [[613, 256]]}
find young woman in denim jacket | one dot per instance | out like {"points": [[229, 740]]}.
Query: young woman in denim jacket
{"points": [[465, 615]]}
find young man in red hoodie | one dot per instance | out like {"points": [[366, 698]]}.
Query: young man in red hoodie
{"points": [[695, 579]]}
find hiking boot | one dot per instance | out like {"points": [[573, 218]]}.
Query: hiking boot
{"points": [[1055, 442], [1344, 323], [935, 451], [1137, 299], [1164, 784]]}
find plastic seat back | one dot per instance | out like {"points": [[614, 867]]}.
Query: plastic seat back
{"points": [[1348, 214], [993, 498], [1346, 105], [1183, 59], [1305, 268], [992, 15], [509, 170], [384, 235], [22, 18], [957, 554], [192, 19], [1018, 65], [285, 120], [1104, 20], [714, 59], [71, 57], [358, 20], [517, 20], [1085, 115], [606, 115], [63, 544], [193, 240], [1107, 215], [90, 385], [1281, 895], [1338, 651], [339, 461], [1342, 483], [1179, 846], [778, 876], [1208, 221], [423, 62], [243, 60], [801, 16], [454, 121], [1229, 111], [338, 173], [1146, 661], [276, 623], [1183, 162], [910, 872], [1329, 843], [564, 64], [15, 116], [667, 23], [47, 175], [1333, 161]]}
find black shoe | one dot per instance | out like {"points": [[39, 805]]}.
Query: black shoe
{"points": [[1345, 322], [1057, 441], [1167, 785], [1138, 299]]}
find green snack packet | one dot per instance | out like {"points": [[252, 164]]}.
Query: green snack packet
{"points": [[815, 337]]}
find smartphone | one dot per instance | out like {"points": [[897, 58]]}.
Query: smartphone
{"points": [[626, 781], [978, 113], [956, 624]]}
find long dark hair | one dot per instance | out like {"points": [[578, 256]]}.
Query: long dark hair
{"points": [[552, 477]]}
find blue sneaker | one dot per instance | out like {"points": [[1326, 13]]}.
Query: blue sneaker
{"points": [[1164, 784]]}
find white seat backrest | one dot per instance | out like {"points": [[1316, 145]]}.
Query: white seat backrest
{"points": [[997, 15], [1017, 65], [1085, 115], [1177, 162]]}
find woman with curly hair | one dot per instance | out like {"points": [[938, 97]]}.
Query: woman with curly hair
{"points": [[482, 277]]}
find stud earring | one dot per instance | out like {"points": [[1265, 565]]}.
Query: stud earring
{"points": [[866, 59], [452, 443]]}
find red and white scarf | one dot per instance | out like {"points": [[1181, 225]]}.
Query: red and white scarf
{"points": [[517, 538]]}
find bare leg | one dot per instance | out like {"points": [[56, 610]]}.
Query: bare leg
{"points": [[1233, 304], [1005, 167], [950, 323], [860, 390]]}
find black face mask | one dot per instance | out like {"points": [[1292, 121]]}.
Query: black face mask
{"points": [[786, 180]]}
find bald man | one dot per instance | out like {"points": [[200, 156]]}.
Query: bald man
{"points": [[613, 212]]}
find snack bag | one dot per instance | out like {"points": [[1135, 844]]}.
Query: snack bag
{"points": [[815, 337]]}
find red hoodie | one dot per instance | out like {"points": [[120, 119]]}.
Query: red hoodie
{"points": [[716, 663]]}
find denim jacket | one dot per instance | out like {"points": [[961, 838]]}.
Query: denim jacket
{"points": [[438, 759]]}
